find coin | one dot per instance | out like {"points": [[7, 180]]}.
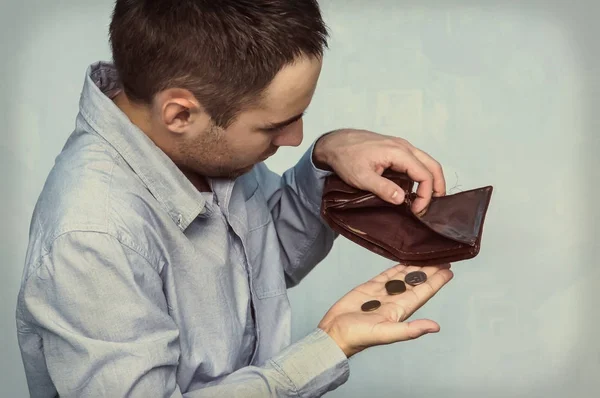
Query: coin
{"points": [[371, 305], [395, 287], [415, 278]]}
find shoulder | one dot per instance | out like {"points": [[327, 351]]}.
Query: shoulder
{"points": [[91, 189]]}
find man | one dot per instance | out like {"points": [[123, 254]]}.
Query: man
{"points": [[161, 247]]}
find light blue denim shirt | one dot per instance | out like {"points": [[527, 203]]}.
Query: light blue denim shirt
{"points": [[136, 284]]}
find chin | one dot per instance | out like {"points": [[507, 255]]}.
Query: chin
{"points": [[232, 173], [237, 173]]}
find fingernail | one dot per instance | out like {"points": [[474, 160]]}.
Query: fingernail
{"points": [[396, 197]]}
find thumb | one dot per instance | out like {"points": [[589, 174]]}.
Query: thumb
{"points": [[391, 332], [382, 187]]}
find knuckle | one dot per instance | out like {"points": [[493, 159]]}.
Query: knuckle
{"points": [[402, 141], [430, 289], [415, 295], [389, 143]]}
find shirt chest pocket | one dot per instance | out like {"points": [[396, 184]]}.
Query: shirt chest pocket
{"points": [[264, 252]]}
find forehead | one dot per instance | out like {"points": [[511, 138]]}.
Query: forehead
{"points": [[292, 89]]}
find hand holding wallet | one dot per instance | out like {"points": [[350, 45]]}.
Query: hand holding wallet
{"points": [[450, 230]]}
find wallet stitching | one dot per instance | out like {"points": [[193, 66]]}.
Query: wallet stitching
{"points": [[353, 200]]}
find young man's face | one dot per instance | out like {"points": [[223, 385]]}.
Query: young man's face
{"points": [[254, 136]]}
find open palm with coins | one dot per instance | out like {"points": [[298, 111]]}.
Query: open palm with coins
{"points": [[375, 312]]}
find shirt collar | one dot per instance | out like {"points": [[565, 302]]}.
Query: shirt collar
{"points": [[175, 193]]}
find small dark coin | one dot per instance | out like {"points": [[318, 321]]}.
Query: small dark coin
{"points": [[395, 287], [415, 278], [371, 305]]}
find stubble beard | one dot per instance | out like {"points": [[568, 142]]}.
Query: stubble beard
{"points": [[210, 156]]}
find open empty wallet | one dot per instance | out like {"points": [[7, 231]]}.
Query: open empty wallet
{"points": [[449, 231]]}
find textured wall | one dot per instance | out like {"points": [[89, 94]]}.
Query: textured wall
{"points": [[501, 94]]}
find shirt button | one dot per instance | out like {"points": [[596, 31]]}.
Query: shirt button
{"points": [[179, 220]]}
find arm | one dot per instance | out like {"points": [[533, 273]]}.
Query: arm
{"points": [[100, 309], [294, 200]]}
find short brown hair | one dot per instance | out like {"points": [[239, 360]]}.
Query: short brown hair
{"points": [[226, 52]]}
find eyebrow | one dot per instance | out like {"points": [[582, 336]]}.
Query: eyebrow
{"points": [[279, 125]]}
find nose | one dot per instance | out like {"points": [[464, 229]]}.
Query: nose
{"points": [[291, 137]]}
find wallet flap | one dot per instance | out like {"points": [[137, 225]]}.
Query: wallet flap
{"points": [[458, 216]]}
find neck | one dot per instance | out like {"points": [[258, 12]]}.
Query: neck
{"points": [[199, 181], [137, 114]]}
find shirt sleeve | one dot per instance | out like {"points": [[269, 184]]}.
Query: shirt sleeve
{"points": [[294, 200], [99, 307]]}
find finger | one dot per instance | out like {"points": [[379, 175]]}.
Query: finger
{"points": [[391, 273], [417, 296], [409, 299], [400, 273], [436, 170], [403, 271], [434, 282], [392, 332], [382, 187], [419, 173]]}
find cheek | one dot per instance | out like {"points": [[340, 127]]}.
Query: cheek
{"points": [[250, 145]]}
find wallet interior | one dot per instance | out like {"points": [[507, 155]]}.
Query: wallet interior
{"points": [[450, 230]]}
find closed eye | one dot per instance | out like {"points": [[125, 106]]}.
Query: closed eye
{"points": [[278, 127]]}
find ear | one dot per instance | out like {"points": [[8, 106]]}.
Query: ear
{"points": [[180, 111]]}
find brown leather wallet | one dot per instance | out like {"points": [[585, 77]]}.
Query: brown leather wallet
{"points": [[449, 231]]}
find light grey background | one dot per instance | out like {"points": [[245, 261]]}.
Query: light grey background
{"points": [[503, 94]]}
